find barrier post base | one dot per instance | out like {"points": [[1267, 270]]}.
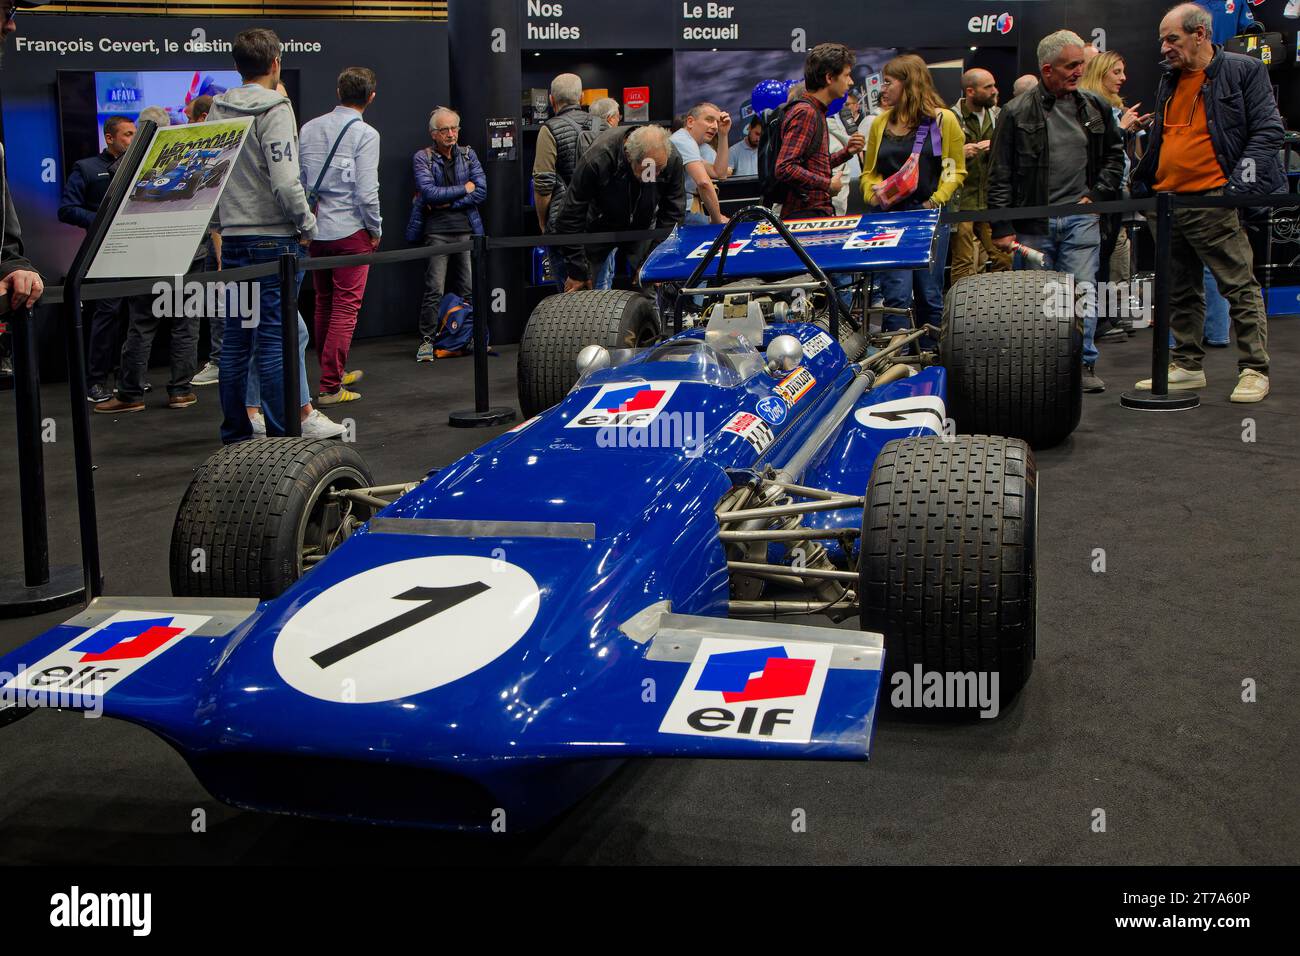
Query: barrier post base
{"points": [[471, 418], [1146, 401], [66, 587]]}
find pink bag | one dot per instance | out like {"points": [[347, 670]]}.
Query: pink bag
{"points": [[894, 189]]}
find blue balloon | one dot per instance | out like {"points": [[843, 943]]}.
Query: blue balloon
{"points": [[767, 95], [836, 106]]}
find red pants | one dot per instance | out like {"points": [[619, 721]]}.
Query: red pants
{"points": [[338, 299]]}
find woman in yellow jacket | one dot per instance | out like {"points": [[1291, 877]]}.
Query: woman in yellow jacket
{"points": [[910, 101]]}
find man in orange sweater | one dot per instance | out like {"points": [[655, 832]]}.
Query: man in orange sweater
{"points": [[1216, 132]]}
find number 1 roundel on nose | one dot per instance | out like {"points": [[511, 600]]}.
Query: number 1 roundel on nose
{"points": [[405, 628]]}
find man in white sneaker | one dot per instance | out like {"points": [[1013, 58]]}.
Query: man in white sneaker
{"points": [[1216, 132]]}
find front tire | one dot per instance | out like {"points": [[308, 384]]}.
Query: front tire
{"points": [[257, 514], [1013, 350], [563, 325], [947, 567]]}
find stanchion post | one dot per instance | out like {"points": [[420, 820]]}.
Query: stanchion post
{"points": [[479, 267], [289, 341], [1159, 399], [83, 457], [481, 415], [39, 591], [31, 457]]}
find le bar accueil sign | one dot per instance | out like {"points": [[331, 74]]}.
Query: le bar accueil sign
{"points": [[762, 24]]}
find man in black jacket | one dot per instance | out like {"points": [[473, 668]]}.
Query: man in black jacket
{"points": [[1056, 144], [18, 280], [83, 191], [1216, 132], [630, 178]]}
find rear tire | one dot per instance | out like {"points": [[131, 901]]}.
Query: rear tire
{"points": [[563, 325], [1013, 370], [251, 511], [947, 568]]}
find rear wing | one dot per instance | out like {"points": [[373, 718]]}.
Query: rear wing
{"points": [[838, 244]]}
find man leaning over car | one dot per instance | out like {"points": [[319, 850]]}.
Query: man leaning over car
{"points": [[630, 178]]}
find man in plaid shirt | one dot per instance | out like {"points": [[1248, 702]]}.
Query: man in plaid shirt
{"points": [[804, 165]]}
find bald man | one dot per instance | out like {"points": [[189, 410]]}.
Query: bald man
{"points": [[1026, 82], [977, 111]]}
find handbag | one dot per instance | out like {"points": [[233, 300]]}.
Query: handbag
{"points": [[894, 189], [313, 194]]}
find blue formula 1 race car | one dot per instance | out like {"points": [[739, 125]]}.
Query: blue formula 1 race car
{"points": [[196, 169], [611, 579]]}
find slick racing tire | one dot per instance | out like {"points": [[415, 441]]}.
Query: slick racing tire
{"points": [[563, 325], [1013, 361], [947, 567], [258, 513]]}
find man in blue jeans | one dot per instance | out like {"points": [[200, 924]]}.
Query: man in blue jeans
{"points": [[263, 214], [1056, 145]]}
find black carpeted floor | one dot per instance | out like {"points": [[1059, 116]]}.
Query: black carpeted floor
{"points": [[1134, 708]]}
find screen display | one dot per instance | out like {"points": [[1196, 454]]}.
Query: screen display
{"points": [[88, 97], [126, 94]]}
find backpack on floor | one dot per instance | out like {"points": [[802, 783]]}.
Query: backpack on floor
{"points": [[455, 328]]}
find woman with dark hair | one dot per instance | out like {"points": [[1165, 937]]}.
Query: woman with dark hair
{"points": [[913, 160]]}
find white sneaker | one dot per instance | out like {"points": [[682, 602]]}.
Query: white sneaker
{"points": [[208, 375], [317, 425], [1292, 10], [259, 424], [1178, 378], [1252, 386]]}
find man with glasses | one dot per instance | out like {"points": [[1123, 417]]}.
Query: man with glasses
{"points": [[453, 185], [18, 279], [1216, 132]]}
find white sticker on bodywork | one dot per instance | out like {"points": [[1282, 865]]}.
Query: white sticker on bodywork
{"points": [[816, 345], [625, 405], [105, 655], [875, 238], [732, 248], [763, 691], [751, 428], [919, 411], [404, 628]]}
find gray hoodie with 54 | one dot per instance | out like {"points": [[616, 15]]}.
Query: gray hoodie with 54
{"points": [[264, 195]]}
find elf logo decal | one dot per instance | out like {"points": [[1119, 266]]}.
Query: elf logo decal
{"points": [[875, 239], [106, 654], [816, 345], [773, 409], [795, 386], [918, 412], [751, 428], [627, 405], [405, 628], [732, 248], [1003, 22], [750, 690]]}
